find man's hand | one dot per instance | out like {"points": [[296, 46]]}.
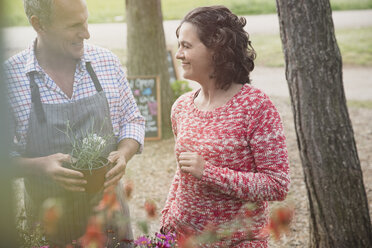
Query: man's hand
{"points": [[113, 176], [126, 149], [51, 167], [192, 163]]}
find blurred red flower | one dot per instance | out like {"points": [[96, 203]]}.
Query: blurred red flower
{"points": [[150, 208], [93, 237], [109, 202], [52, 212], [128, 189], [280, 221]]}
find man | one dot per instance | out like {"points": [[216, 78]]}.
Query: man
{"points": [[57, 79]]}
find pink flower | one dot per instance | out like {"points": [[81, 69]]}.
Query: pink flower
{"points": [[142, 241]]}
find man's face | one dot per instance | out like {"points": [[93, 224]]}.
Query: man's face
{"points": [[64, 36]]}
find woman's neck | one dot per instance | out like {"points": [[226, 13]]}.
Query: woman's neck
{"points": [[210, 97]]}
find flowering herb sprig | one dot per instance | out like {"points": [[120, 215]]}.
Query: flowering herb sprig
{"points": [[87, 153]]}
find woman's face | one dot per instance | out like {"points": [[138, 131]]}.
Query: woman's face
{"points": [[196, 58]]}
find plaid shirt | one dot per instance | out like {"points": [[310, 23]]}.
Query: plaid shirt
{"points": [[126, 119]]}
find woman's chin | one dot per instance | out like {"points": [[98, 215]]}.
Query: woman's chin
{"points": [[187, 76]]}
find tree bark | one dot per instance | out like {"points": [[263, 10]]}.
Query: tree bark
{"points": [[146, 50], [333, 176]]}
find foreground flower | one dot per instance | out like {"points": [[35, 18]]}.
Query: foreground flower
{"points": [[161, 236], [150, 208], [163, 244], [280, 221], [52, 212], [143, 242], [159, 241], [109, 203], [93, 237], [128, 189]]}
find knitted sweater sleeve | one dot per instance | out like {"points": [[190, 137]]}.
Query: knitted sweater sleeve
{"points": [[171, 197], [270, 179], [173, 188]]}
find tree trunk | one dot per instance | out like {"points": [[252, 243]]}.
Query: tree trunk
{"points": [[146, 50], [334, 181]]}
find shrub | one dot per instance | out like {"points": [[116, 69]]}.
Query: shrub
{"points": [[180, 87]]}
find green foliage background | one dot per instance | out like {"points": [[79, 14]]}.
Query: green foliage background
{"points": [[114, 10], [355, 44]]}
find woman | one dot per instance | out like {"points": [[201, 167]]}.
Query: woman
{"points": [[230, 147]]}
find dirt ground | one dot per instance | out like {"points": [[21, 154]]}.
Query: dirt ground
{"points": [[153, 170]]}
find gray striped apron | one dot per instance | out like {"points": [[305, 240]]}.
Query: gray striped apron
{"points": [[45, 136]]}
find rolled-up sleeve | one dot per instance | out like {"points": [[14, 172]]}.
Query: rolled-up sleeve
{"points": [[132, 123]]}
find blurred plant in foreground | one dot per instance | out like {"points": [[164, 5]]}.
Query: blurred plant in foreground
{"points": [[98, 236]]}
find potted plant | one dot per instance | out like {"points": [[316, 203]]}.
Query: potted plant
{"points": [[88, 157]]}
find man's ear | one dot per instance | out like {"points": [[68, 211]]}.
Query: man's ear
{"points": [[36, 24]]}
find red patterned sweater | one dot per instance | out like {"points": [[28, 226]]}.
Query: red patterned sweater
{"points": [[244, 147]]}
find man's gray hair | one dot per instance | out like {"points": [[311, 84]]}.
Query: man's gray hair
{"points": [[39, 8]]}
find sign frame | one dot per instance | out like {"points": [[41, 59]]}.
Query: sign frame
{"points": [[173, 64], [158, 101]]}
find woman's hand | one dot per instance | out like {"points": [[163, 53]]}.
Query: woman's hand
{"points": [[192, 163]]}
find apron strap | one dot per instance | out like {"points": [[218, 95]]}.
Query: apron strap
{"points": [[94, 77], [35, 98], [35, 92]]}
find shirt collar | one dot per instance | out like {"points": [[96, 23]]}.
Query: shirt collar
{"points": [[85, 58], [32, 64]]}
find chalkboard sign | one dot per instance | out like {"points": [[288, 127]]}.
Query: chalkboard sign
{"points": [[173, 76], [146, 91]]}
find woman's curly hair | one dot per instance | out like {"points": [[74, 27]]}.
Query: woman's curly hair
{"points": [[223, 32]]}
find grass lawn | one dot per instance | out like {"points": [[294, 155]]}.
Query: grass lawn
{"points": [[355, 46], [114, 10], [359, 104]]}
